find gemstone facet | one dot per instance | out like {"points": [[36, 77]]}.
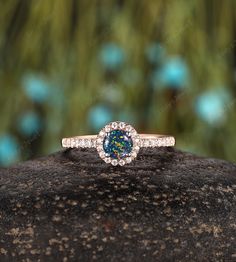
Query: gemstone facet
{"points": [[117, 144]]}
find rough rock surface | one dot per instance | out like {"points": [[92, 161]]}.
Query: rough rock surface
{"points": [[165, 206]]}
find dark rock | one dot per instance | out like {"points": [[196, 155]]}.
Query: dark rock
{"points": [[165, 206]]}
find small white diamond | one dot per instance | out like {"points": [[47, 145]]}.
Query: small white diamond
{"points": [[107, 128], [122, 162], [172, 141], [128, 128], [133, 154], [107, 160], [65, 143], [99, 148], [73, 143], [136, 148], [152, 143], [83, 143], [89, 143], [102, 154], [114, 162], [114, 125], [77, 143], [121, 125], [155, 142], [101, 133], [128, 159], [93, 143], [162, 142], [99, 140]]}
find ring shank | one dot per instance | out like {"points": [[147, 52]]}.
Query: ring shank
{"points": [[146, 140], [156, 140], [87, 141]]}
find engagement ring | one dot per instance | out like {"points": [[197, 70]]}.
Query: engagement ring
{"points": [[118, 143]]}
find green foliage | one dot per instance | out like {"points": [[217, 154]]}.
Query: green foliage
{"points": [[144, 61]]}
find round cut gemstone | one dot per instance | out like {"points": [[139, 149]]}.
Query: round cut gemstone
{"points": [[117, 144]]}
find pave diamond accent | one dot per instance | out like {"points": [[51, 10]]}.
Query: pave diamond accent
{"points": [[157, 141], [79, 142]]}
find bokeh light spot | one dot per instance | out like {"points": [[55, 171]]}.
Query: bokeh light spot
{"points": [[173, 74], [211, 106], [99, 116], [36, 88], [155, 53], [29, 123], [112, 56], [9, 150]]}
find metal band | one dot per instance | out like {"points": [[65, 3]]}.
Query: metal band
{"points": [[146, 140]]}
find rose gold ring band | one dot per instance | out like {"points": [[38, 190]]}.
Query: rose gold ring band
{"points": [[146, 140]]}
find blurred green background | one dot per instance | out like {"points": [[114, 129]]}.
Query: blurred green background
{"points": [[67, 67]]}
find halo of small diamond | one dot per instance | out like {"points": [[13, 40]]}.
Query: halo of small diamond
{"points": [[117, 125]]}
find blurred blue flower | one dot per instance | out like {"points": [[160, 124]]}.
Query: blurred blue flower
{"points": [[9, 150], [99, 116], [211, 106], [36, 88], [29, 123], [112, 56], [173, 74], [155, 53]]}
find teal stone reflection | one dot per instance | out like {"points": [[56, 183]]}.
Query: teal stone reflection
{"points": [[117, 144]]}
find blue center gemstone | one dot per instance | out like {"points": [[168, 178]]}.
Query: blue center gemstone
{"points": [[117, 144]]}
